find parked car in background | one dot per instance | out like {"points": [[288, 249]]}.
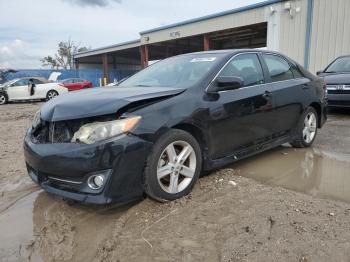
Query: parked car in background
{"points": [[29, 88], [337, 77], [159, 129], [75, 83], [4, 73]]}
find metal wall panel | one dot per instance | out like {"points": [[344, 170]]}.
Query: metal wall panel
{"points": [[293, 30], [330, 35], [215, 24]]}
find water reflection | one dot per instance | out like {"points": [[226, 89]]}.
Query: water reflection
{"points": [[41, 227], [310, 171]]}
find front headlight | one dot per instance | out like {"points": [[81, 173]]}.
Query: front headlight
{"points": [[94, 132], [36, 119]]}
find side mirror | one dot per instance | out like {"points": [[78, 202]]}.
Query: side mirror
{"points": [[224, 83], [319, 72]]}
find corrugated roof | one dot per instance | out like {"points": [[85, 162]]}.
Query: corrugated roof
{"points": [[109, 47], [203, 18]]}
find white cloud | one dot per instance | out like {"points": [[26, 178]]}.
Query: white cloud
{"points": [[101, 3], [18, 54], [39, 25]]}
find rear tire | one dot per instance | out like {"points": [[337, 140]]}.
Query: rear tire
{"points": [[173, 166], [51, 94], [307, 129], [3, 99]]}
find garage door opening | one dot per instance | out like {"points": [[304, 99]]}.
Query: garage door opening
{"points": [[252, 36]]}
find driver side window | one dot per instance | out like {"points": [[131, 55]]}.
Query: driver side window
{"points": [[21, 82], [247, 67]]}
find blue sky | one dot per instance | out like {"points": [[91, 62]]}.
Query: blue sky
{"points": [[30, 30]]}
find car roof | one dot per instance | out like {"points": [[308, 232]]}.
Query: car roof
{"points": [[71, 78], [43, 79], [233, 51], [343, 56]]}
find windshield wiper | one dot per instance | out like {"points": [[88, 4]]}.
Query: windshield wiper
{"points": [[338, 72], [142, 85]]}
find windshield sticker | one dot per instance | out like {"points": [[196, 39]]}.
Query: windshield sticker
{"points": [[203, 59]]}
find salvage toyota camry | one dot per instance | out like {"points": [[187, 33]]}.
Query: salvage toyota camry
{"points": [[155, 132]]}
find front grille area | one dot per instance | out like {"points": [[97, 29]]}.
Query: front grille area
{"points": [[338, 103], [56, 132], [63, 131], [338, 89]]}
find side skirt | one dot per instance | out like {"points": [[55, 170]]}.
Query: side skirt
{"points": [[247, 152]]}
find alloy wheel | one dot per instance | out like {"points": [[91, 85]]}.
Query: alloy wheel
{"points": [[310, 127], [2, 99], [176, 167], [51, 94]]}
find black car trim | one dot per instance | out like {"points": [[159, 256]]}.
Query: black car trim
{"points": [[222, 68]]}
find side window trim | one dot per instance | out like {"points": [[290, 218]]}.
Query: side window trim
{"points": [[289, 62], [268, 73], [258, 53]]}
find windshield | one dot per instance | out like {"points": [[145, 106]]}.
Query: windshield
{"points": [[340, 65], [10, 82], [180, 71]]}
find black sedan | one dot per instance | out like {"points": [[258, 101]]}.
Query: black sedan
{"points": [[157, 131], [337, 77]]}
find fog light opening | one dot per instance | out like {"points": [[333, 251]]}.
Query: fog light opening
{"points": [[96, 181]]}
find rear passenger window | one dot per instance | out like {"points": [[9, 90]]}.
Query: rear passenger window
{"points": [[37, 82], [278, 67], [246, 66], [296, 72]]}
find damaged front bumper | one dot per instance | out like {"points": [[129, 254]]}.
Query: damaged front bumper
{"points": [[64, 169]]}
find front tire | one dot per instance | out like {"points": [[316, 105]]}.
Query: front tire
{"points": [[307, 129], [51, 94], [173, 166], [3, 99]]}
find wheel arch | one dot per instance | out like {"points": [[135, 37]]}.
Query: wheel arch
{"points": [[318, 109], [197, 133], [6, 95]]}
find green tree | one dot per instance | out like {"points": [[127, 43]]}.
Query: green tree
{"points": [[64, 55], [49, 61]]}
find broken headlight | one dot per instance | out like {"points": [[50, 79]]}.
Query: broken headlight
{"points": [[98, 131], [36, 119]]}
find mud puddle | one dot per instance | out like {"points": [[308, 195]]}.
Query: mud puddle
{"points": [[311, 171], [40, 227]]}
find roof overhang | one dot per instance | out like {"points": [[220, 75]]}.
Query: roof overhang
{"points": [[109, 49], [207, 17]]}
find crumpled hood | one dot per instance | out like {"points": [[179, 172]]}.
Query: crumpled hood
{"points": [[337, 79], [99, 101]]}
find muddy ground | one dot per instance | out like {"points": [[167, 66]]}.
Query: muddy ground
{"points": [[282, 205]]}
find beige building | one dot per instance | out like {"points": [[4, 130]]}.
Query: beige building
{"points": [[312, 32]]}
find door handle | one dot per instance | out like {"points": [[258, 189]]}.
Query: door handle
{"points": [[267, 94], [306, 86]]}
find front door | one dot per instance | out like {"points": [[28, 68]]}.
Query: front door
{"points": [[243, 117], [19, 90]]}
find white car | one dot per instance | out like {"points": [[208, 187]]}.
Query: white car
{"points": [[29, 88]]}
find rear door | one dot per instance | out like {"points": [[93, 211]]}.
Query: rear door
{"points": [[78, 83], [241, 118], [289, 88], [69, 83], [40, 89]]}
